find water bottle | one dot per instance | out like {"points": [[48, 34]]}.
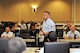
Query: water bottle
{"points": [[17, 34]]}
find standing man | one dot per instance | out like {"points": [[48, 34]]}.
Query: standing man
{"points": [[48, 26]]}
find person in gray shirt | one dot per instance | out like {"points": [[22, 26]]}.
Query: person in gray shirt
{"points": [[73, 32]]}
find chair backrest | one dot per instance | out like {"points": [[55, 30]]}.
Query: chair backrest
{"points": [[24, 33], [56, 47], [52, 36], [1, 31], [59, 33], [4, 45]]}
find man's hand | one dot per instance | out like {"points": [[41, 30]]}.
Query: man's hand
{"points": [[66, 37], [4, 36], [48, 40], [46, 33]]}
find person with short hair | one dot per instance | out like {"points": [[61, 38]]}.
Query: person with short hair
{"points": [[7, 33], [72, 33], [23, 25], [48, 25], [67, 27], [16, 26], [16, 45]]}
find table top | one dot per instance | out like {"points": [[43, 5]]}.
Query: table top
{"points": [[68, 40], [32, 50], [59, 40], [32, 40]]}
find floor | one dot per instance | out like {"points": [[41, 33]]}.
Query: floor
{"points": [[31, 49]]}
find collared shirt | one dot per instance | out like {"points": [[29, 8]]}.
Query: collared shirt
{"points": [[9, 34], [17, 28], [71, 34], [41, 50], [48, 26], [23, 26]]}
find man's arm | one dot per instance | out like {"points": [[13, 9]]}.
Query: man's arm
{"points": [[42, 33], [2, 35], [46, 33]]}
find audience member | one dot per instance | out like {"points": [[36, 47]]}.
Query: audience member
{"points": [[73, 33], [16, 26], [33, 31], [13, 29], [67, 27], [30, 24], [23, 25], [16, 45], [7, 33], [36, 26]]}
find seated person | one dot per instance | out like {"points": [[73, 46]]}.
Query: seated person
{"points": [[7, 33], [13, 29], [23, 25], [67, 27], [16, 45], [30, 24], [36, 26], [16, 26], [72, 33], [33, 31]]}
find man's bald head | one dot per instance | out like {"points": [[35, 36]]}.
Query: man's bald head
{"points": [[72, 27]]}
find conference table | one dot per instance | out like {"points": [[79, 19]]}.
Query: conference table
{"points": [[32, 50], [68, 40], [72, 50], [58, 40], [32, 42]]}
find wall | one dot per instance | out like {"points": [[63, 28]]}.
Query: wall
{"points": [[78, 11], [17, 10], [9, 10]]}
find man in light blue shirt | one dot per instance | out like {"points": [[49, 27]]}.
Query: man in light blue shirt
{"points": [[72, 33], [48, 25]]}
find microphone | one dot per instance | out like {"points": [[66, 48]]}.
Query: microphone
{"points": [[75, 36]]}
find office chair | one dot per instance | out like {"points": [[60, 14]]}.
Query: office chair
{"points": [[56, 47], [4, 45], [24, 33]]}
